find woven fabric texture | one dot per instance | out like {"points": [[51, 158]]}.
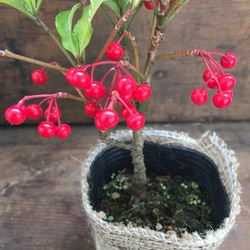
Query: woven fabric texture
{"points": [[110, 237]]}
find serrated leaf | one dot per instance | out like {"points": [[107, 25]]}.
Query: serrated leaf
{"points": [[20, 5], [64, 28], [83, 29], [114, 7]]}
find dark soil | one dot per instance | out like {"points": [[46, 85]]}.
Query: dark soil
{"points": [[172, 203]]}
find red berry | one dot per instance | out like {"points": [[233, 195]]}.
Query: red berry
{"points": [[35, 111], [16, 114], [91, 108], [39, 77], [199, 96], [149, 5], [127, 98], [136, 121], [221, 100], [63, 131], [47, 129], [228, 61], [78, 78], [226, 81], [99, 125], [114, 51], [70, 73], [125, 85], [142, 93], [108, 118], [95, 90], [212, 84], [229, 93], [52, 116], [125, 112]]}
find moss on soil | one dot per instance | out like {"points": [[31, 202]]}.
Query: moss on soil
{"points": [[173, 203]]}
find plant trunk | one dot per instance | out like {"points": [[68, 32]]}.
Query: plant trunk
{"points": [[139, 179]]}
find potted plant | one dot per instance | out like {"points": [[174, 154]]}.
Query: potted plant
{"points": [[129, 162]]}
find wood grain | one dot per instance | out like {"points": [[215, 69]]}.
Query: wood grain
{"points": [[40, 200], [210, 25]]}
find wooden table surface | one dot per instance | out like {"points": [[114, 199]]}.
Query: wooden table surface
{"points": [[40, 200]]}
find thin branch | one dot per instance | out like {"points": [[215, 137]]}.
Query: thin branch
{"points": [[171, 13], [107, 16], [69, 96], [125, 63], [47, 29], [9, 54], [134, 16], [152, 30], [135, 50], [112, 35], [184, 53]]}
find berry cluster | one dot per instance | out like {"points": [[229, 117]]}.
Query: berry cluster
{"points": [[18, 113], [149, 5], [122, 90], [215, 78]]}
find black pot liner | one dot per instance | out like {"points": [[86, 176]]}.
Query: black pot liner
{"points": [[163, 160]]}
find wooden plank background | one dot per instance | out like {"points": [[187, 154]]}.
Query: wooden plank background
{"points": [[40, 193], [210, 25]]}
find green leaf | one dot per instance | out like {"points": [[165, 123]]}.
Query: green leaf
{"points": [[135, 3], [114, 7], [28, 7], [36, 4], [64, 28], [83, 29], [18, 4]]}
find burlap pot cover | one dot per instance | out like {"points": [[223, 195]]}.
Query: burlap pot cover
{"points": [[110, 237]]}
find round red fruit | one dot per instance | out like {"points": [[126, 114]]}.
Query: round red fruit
{"points": [[52, 115], [136, 121], [99, 125], [69, 74], [221, 100], [226, 81], [47, 129], [149, 5], [142, 93], [39, 77], [126, 98], [78, 78], [228, 60], [114, 52], [229, 93], [199, 96], [95, 90], [91, 108], [126, 111], [35, 111], [63, 131], [212, 83], [108, 118], [125, 85], [16, 114]]}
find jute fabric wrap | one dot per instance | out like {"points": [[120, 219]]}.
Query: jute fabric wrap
{"points": [[110, 237]]}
